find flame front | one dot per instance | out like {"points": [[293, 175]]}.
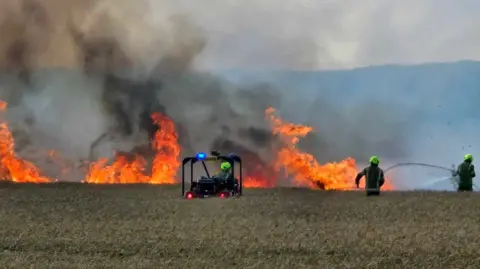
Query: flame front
{"points": [[166, 163], [12, 168], [124, 171], [303, 167]]}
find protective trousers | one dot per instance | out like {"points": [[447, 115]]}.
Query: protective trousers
{"points": [[373, 192]]}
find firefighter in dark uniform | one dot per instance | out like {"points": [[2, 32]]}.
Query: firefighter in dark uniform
{"points": [[225, 171], [374, 177], [226, 175], [466, 173]]}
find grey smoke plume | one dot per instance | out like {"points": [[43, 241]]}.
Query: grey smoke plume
{"points": [[83, 77]]}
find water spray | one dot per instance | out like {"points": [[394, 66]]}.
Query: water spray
{"points": [[453, 178]]}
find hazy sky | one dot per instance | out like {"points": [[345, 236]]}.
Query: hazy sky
{"points": [[325, 34]]}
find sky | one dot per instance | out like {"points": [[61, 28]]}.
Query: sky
{"points": [[328, 34]]}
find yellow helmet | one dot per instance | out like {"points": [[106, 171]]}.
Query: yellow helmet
{"points": [[374, 160], [225, 166]]}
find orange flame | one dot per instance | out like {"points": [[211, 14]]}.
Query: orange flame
{"points": [[13, 168], [166, 163], [124, 171], [303, 167], [252, 182]]}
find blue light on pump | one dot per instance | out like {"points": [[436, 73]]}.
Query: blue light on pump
{"points": [[201, 156]]}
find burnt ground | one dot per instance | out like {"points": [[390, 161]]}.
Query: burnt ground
{"points": [[85, 226]]}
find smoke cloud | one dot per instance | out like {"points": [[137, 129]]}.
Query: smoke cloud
{"points": [[391, 118], [82, 77], [424, 113], [401, 117]]}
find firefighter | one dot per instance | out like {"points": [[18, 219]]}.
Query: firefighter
{"points": [[466, 173], [226, 175], [374, 177], [225, 171]]}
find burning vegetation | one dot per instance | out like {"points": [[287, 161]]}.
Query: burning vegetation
{"points": [[127, 169], [92, 78], [13, 168], [301, 167]]}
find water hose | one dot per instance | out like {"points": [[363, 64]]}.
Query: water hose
{"points": [[419, 164], [454, 181]]}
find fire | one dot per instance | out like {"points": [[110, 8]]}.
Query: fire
{"points": [[303, 167], [13, 168], [165, 164], [254, 183], [126, 171], [122, 171], [257, 173]]}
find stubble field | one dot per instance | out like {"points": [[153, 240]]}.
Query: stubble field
{"points": [[87, 226]]}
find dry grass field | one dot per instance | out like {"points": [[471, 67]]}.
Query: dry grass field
{"points": [[86, 226]]}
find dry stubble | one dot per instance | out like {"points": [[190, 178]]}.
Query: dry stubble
{"points": [[82, 226]]}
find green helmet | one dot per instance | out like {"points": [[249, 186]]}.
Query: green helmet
{"points": [[468, 157], [374, 160], [225, 166]]}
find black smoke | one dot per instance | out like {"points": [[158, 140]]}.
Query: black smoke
{"points": [[84, 77]]}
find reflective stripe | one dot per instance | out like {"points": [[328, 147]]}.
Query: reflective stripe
{"points": [[378, 178]]}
